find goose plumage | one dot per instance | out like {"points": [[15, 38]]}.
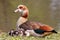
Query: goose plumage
{"points": [[37, 27]]}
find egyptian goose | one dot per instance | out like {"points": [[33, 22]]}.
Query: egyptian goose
{"points": [[31, 27]]}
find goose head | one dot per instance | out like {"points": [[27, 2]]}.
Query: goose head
{"points": [[23, 10]]}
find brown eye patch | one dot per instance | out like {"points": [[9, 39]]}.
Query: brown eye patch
{"points": [[20, 7]]}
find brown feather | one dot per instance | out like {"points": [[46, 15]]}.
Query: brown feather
{"points": [[36, 25]]}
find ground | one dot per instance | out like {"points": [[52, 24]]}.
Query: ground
{"points": [[5, 36]]}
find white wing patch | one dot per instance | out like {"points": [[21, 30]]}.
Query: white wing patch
{"points": [[31, 32]]}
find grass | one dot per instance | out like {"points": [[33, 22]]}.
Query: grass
{"points": [[5, 36]]}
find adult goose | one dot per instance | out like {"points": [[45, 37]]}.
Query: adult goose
{"points": [[31, 27]]}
